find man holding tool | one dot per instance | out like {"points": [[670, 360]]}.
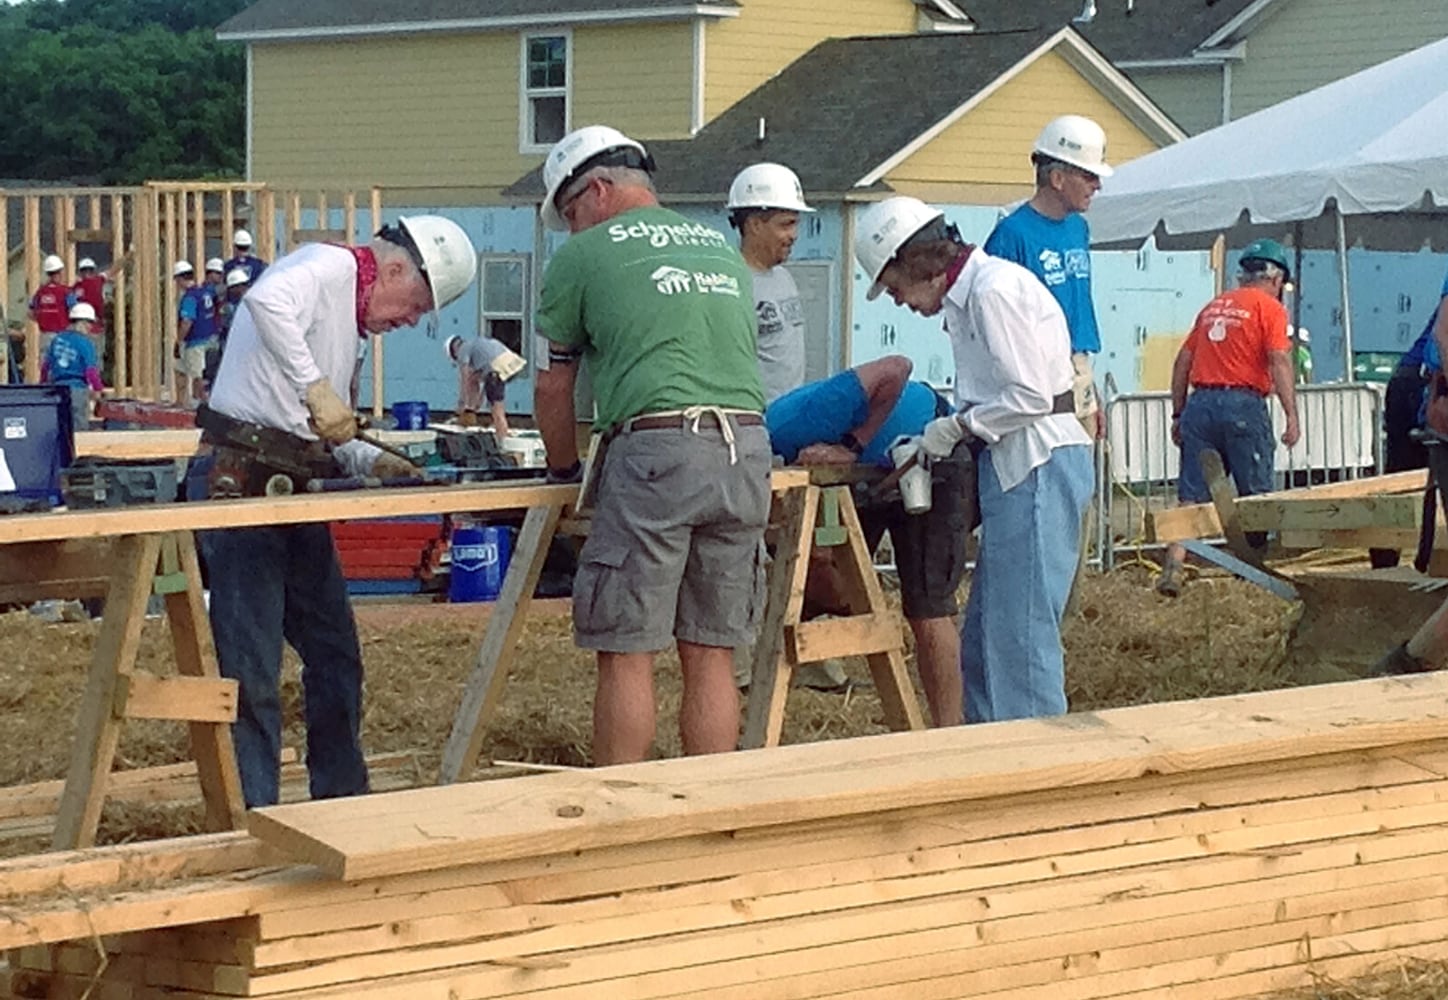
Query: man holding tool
{"points": [[659, 308], [277, 420]]}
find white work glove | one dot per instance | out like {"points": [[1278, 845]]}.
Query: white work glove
{"points": [[332, 419], [392, 467], [941, 436]]}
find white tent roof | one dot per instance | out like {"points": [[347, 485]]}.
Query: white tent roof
{"points": [[1374, 142]]}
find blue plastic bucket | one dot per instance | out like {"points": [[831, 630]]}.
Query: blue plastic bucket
{"points": [[410, 415], [479, 562]]}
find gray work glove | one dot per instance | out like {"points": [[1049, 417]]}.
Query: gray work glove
{"points": [[332, 419]]}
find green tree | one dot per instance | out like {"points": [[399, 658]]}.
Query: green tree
{"points": [[120, 91]]}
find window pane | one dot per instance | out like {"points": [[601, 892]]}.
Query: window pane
{"points": [[503, 287], [549, 116], [547, 62], [509, 331]]}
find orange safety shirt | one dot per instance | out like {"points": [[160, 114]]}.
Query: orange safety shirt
{"points": [[1232, 337]]}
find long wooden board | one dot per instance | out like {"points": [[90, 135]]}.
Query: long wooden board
{"points": [[441, 827]]}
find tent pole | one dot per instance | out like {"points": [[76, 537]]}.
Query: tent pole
{"points": [[1297, 275], [1347, 352]]}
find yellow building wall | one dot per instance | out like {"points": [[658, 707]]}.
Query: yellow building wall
{"points": [[442, 111], [742, 52], [1158, 354], [991, 144]]}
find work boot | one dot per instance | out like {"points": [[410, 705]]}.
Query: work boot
{"points": [[1169, 583], [1400, 662]]}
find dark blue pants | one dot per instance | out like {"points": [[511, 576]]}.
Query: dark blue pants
{"points": [[1237, 425], [275, 584]]}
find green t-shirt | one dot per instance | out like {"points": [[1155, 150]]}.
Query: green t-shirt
{"points": [[663, 309]]}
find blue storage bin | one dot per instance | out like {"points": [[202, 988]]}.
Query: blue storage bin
{"points": [[36, 438]]}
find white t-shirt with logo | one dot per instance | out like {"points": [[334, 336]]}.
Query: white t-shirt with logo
{"points": [[780, 316]]}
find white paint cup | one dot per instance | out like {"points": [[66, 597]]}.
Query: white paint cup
{"points": [[915, 483]]}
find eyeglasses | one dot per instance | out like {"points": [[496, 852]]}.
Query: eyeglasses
{"points": [[568, 203]]}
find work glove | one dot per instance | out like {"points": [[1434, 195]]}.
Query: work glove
{"points": [[392, 467], [332, 419], [941, 436]]}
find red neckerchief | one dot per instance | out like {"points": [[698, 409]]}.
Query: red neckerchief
{"points": [[953, 271], [366, 279]]}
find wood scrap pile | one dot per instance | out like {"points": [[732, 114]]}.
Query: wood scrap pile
{"points": [[1211, 849]]}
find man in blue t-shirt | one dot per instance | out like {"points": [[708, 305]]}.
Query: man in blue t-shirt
{"points": [[856, 416], [1048, 236], [70, 360], [196, 333]]}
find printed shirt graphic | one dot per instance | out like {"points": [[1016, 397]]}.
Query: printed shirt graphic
{"points": [[661, 306], [1232, 337], [68, 357], [199, 306], [1058, 253], [780, 317]]}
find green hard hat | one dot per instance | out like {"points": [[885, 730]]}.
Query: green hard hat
{"points": [[1268, 250]]}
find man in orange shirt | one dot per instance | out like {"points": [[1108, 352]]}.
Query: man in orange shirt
{"points": [[1237, 353]]}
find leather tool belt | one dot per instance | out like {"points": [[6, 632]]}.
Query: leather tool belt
{"points": [[250, 460]]}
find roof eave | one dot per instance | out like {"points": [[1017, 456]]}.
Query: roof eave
{"points": [[624, 15], [1238, 26]]}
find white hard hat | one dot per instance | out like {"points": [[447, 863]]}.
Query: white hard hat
{"points": [[449, 344], [83, 310], [448, 257], [241, 238], [884, 229], [85, 262], [767, 185], [237, 276], [52, 264], [182, 267], [1075, 140], [216, 264], [574, 151]]}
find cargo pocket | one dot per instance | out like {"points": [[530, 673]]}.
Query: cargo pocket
{"points": [[597, 589], [758, 587]]}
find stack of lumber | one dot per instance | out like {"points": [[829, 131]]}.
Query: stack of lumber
{"points": [[389, 555], [1212, 849]]}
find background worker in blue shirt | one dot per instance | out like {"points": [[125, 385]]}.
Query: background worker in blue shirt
{"points": [[70, 360], [196, 332]]}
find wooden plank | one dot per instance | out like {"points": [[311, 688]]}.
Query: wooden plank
{"points": [[1402, 511], [855, 636], [1224, 499], [505, 626], [319, 236], [183, 699], [97, 730], [170, 443], [32, 571], [1358, 538], [428, 828]]}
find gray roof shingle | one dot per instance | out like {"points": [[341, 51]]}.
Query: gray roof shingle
{"points": [[836, 113], [319, 15]]}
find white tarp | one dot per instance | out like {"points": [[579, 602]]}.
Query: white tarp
{"points": [[1374, 142]]}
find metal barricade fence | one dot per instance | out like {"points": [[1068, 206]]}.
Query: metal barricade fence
{"points": [[1341, 425]]}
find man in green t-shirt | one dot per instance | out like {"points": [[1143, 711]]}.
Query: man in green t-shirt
{"points": [[660, 309]]}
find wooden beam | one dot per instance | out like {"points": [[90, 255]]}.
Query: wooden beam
{"points": [[185, 699], [432, 828], [169, 443], [837, 637], [1397, 511], [319, 236]]}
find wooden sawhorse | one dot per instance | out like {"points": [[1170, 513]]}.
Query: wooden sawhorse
{"points": [[805, 516], [126, 571]]}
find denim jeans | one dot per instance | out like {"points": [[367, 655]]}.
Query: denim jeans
{"points": [[275, 584], [1236, 424], [1010, 641]]}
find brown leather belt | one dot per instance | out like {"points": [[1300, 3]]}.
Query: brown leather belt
{"points": [[706, 419]]}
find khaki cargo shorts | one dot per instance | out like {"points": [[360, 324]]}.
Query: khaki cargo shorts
{"points": [[676, 547]]}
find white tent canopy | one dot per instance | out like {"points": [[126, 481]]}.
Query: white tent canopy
{"points": [[1371, 143]]}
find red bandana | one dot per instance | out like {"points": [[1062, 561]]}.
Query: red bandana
{"points": [[953, 271], [366, 278]]}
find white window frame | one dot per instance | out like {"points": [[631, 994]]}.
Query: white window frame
{"points": [[526, 93], [525, 263]]}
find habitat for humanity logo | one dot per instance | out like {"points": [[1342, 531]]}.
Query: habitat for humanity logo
{"points": [[670, 280]]}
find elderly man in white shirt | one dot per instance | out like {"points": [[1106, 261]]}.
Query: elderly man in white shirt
{"points": [[284, 382], [1013, 397]]}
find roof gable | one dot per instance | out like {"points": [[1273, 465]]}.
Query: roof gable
{"points": [[282, 20], [848, 109]]}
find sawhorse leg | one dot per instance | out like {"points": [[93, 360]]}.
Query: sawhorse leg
{"points": [[485, 685], [871, 629], [115, 692]]}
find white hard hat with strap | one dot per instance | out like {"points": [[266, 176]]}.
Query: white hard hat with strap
{"points": [[884, 229]]}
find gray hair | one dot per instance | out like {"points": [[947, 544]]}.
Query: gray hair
{"points": [[620, 176]]}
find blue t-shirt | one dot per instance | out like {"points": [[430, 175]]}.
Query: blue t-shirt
{"points": [[253, 266], [823, 412], [199, 306], [69, 356], [1425, 349], [1059, 253]]}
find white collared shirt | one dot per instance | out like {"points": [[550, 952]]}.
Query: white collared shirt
{"points": [[1012, 358]]}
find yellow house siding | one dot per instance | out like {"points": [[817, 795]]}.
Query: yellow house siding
{"points": [[638, 78], [1307, 43], [991, 144], [742, 52]]}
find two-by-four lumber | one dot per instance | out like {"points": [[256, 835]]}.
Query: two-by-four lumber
{"points": [[553, 813], [189, 699]]}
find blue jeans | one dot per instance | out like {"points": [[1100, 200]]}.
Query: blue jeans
{"points": [[1235, 423], [284, 583], [1010, 641]]}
